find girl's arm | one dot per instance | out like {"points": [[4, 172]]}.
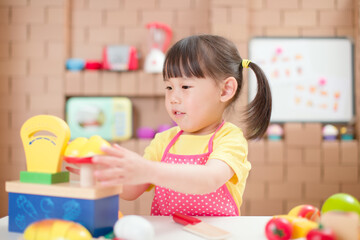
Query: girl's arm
{"points": [[128, 168], [132, 192]]}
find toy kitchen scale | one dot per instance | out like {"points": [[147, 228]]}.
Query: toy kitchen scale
{"points": [[44, 190]]}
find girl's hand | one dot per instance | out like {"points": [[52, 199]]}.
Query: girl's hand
{"points": [[121, 166], [73, 170]]}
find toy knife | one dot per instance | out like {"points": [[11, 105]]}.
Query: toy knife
{"points": [[196, 226]]}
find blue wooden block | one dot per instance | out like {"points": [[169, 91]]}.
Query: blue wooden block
{"points": [[98, 216]]}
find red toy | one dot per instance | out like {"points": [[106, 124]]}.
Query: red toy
{"points": [[278, 229], [321, 234], [93, 65]]}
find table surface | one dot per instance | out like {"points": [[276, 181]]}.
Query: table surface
{"points": [[241, 228]]}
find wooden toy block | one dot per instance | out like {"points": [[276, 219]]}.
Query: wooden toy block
{"points": [[69, 190], [44, 178], [96, 208], [98, 216]]}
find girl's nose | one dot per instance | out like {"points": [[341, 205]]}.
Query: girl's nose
{"points": [[174, 98]]}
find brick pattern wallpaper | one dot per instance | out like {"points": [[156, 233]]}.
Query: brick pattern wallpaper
{"points": [[36, 37]]}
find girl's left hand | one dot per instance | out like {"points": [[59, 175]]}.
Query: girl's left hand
{"points": [[121, 166]]}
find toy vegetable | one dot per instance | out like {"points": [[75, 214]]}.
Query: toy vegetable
{"points": [[321, 233], [300, 226], [278, 229]]}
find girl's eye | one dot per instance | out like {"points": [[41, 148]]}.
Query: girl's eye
{"points": [[186, 87], [168, 88]]}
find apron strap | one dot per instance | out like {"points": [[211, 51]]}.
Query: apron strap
{"points": [[171, 144], [210, 144]]}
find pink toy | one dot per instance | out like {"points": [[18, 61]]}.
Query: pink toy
{"points": [[164, 127], [145, 132]]}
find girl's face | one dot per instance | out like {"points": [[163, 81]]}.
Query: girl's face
{"points": [[194, 104]]}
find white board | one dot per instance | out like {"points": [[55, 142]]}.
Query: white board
{"points": [[311, 79]]}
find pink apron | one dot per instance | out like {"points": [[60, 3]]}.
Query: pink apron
{"points": [[166, 201]]}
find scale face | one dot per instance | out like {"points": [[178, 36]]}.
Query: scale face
{"points": [[108, 117], [44, 138]]}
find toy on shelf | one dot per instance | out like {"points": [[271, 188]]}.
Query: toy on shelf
{"points": [[120, 58], [45, 138], [145, 132], [149, 133], [108, 117], [160, 36], [93, 65], [275, 132], [134, 227], [330, 132], [347, 133], [56, 229], [80, 151], [75, 64]]}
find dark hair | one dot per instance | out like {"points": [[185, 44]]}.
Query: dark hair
{"points": [[213, 56]]}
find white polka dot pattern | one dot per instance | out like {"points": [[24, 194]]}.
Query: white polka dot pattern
{"points": [[167, 202]]}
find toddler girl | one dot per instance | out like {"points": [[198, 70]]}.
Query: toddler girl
{"points": [[200, 166]]}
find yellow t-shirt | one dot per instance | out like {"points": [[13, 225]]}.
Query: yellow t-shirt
{"points": [[229, 145]]}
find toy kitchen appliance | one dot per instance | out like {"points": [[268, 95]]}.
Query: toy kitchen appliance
{"points": [[108, 117], [160, 36]]}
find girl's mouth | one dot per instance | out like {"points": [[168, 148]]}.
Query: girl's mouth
{"points": [[178, 113]]}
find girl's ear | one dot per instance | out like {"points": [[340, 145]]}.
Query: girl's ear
{"points": [[228, 89]]}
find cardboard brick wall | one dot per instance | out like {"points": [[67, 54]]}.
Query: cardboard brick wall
{"points": [[292, 172], [36, 37]]}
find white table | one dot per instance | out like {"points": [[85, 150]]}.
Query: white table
{"points": [[241, 228]]}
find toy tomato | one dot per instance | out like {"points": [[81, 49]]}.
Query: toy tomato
{"points": [[278, 229], [321, 234]]}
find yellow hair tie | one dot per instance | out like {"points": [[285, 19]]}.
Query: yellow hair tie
{"points": [[245, 63]]}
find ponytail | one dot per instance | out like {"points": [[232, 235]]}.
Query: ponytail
{"points": [[258, 111]]}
